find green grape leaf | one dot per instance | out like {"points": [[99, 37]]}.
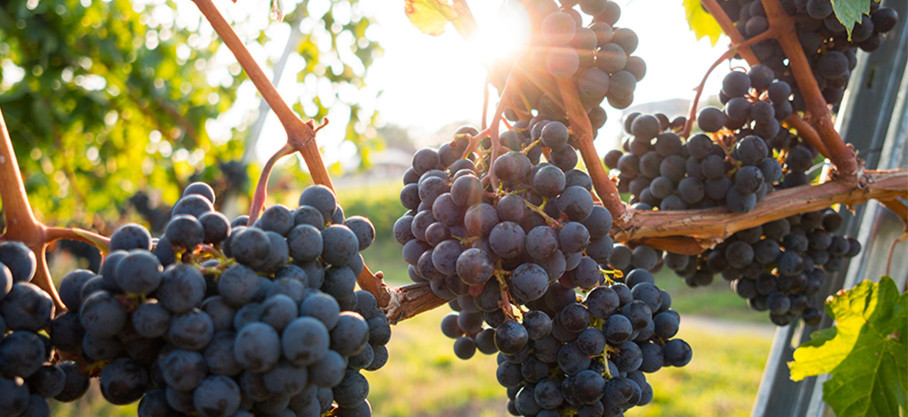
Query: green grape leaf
{"points": [[866, 352], [849, 12], [701, 22], [431, 16]]}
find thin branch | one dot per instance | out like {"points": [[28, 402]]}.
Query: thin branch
{"points": [[16, 208], [261, 189], [899, 208], [52, 234], [806, 131], [43, 279], [719, 223], [252, 68], [410, 300], [728, 54], [374, 284], [892, 246], [503, 99]]}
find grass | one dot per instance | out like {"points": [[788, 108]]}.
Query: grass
{"points": [[424, 378]]}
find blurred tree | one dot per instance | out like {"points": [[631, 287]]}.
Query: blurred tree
{"points": [[104, 99]]}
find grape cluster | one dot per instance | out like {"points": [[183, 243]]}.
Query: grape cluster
{"points": [[829, 49], [511, 259], [779, 266], [589, 356], [28, 374], [214, 318], [731, 164], [596, 57]]}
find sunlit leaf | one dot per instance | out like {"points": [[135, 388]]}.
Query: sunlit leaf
{"points": [[430, 16], [866, 352], [701, 22]]}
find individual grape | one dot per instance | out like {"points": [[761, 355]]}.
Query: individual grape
{"points": [[622, 95], [192, 330], [19, 259], [736, 84], [677, 352], [711, 119], [194, 205], [511, 337], [200, 188], [130, 236], [512, 208], [182, 287], [625, 38], [549, 181], [529, 282], [558, 28], [258, 347], [340, 245], [321, 198], [474, 267], [217, 396], [124, 381]]}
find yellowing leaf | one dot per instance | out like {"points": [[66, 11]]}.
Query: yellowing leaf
{"points": [[701, 22], [431, 16], [866, 352]]}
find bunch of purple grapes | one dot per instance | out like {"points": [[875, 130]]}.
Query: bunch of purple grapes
{"points": [[213, 318], [29, 374], [830, 48], [512, 259]]}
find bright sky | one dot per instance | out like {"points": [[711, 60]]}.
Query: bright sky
{"points": [[428, 82]]}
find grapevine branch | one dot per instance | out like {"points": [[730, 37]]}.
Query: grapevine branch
{"points": [[300, 135], [780, 22], [785, 32], [23, 226], [717, 224]]}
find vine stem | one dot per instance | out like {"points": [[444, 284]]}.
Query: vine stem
{"points": [[261, 189], [728, 54], [300, 135], [806, 131], [580, 126], [786, 34], [509, 86], [800, 68], [21, 223], [891, 254], [717, 224]]}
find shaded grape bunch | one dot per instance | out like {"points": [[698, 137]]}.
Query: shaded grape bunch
{"points": [[216, 318], [829, 49], [663, 171], [779, 267], [28, 375], [589, 355], [597, 57]]}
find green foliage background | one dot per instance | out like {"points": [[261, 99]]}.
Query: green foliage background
{"points": [[107, 98]]}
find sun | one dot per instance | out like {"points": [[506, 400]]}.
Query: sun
{"points": [[503, 32]]}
